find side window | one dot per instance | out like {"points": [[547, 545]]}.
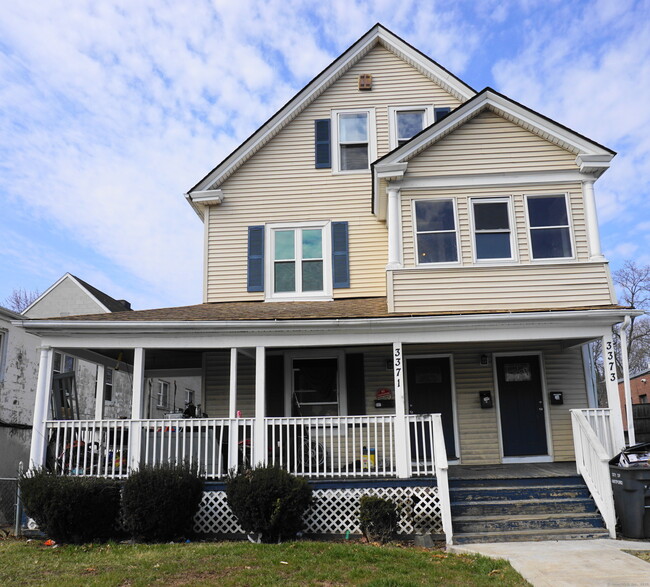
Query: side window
{"points": [[3, 353], [435, 231], [550, 230], [108, 385], [354, 140], [62, 363], [492, 229], [163, 394]]}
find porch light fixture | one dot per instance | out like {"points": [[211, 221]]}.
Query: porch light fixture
{"points": [[484, 360]]}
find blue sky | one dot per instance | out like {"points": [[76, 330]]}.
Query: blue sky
{"points": [[111, 110]]}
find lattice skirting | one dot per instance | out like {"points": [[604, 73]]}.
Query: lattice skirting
{"points": [[335, 511]]}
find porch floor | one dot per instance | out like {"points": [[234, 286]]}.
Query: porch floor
{"points": [[513, 471]]}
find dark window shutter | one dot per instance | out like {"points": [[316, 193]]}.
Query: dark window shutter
{"points": [[275, 386], [323, 149], [340, 255], [256, 258], [355, 381], [440, 113]]}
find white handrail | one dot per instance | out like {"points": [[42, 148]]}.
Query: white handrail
{"points": [[592, 462], [441, 465]]}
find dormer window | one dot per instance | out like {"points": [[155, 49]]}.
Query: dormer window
{"points": [[354, 140]]}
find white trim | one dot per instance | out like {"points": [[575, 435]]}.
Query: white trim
{"points": [[569, 214], [548, 457], [269, 239], [459, 257], [454, 401], [394, 226], [375, 36], [372, 139], [512, 228], [4, 341], [393, 111]]}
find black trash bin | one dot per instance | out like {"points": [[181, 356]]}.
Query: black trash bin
{"points": [[630, 474]]}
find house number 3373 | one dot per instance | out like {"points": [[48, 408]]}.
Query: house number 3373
{"points": [[609, 359]]}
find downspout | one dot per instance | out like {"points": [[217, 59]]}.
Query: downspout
{"points": [[631, 437]]}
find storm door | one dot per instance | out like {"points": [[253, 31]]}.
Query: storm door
{"points": [[430, 392], [315, 388], [521, 406]]}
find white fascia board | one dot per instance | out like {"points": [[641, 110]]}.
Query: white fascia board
{"points": [[331, 332], [89, 294], [55, 285], [47, 291], [202, 198]]}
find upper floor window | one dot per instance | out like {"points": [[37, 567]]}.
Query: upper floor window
{"points": [[492, 229], [550, 230], [354, 139], [405, 122], [436, 236], [300, 261]]}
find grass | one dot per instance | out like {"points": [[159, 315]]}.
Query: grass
{"points": [[240, 563], [642, 554]]}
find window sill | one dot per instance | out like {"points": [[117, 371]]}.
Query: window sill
{"points": [[322, 298]]}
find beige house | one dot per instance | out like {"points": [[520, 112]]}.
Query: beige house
{"points": [[401, 275]]}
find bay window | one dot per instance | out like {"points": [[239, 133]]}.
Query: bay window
{"points": [[549, 227], [436, 238]]}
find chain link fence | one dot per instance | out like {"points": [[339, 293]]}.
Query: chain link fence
{"points": [[8, 498]]}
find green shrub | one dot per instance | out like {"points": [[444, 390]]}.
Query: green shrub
{"points": [[268, 501], [72, 509], [159, 503], [378, 518]]}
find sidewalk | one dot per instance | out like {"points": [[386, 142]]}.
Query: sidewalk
{"points": [[571, 563]]}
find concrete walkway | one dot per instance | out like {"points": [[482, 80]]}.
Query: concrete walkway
{"points": [[571, 563]]}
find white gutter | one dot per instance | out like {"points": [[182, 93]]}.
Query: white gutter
{"points": [[631, 436]]}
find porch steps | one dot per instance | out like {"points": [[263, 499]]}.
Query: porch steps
{"points": [[535, 508]]}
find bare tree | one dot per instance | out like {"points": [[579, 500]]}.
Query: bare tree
{"points": [[19, 299], [634, 284]]}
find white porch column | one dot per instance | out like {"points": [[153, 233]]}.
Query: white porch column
{"points": [[631, 434], [233, 432], [402, 441], [38, 449], [99, 392], [591, 216], [135, 435], [259, 437], [613, 398], [394, 230]]}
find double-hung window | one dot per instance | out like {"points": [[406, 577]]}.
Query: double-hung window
{"points": [[354, 139], [492, 229], [163, 394], [550, 229], [436, 237], [406, 122], [300, 261], [108, 384], [62, 363]]}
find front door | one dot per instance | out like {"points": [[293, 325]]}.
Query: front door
{"points": [[429, 392], [523, 426]]}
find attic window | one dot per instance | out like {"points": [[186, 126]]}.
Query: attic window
{"points": [[365, 82]]}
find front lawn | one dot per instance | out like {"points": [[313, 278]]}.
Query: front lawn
{"points": [[242, 563]]}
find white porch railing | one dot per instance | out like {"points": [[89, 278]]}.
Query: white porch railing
{"points": [[592, 462], [314, 447], [600, 421]]}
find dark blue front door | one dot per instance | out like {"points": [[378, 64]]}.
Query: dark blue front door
{"points": [[523, 428]]}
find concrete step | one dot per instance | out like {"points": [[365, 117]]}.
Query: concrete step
{"points": [[530, 535], [511, 493], [516, 482], [522, 506], [508, 523]]}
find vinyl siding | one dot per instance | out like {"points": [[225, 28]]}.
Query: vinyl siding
{"points": [[513, 287], [487, 144], [477, 428], [280, 184]]}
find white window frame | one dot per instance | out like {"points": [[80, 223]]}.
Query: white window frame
{"points": [[459, 255], [110, 384], [529, 229], [159, 395], [512, 229], [63, 361], [393, 111], [269, 236], [372, 140], [189, 396], [4, 337]]}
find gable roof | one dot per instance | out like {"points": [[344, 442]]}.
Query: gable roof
{"points": [[105, 301], [591, 157], [206, 188]]}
